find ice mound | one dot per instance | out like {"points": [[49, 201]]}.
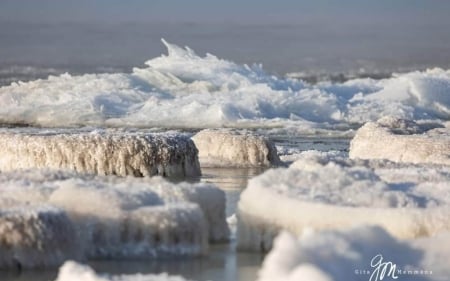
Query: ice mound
{"points": [[72, 271], [127, 217], [348, 255], [34, 236], [388, 171], [401, 141], [185, 90], [103, 153], [311, 194], [218, 148]]}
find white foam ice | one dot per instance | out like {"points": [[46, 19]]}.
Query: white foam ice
{"points": [[347, 255], [72, 271], [232, 148], [321, 193], [401, 140], [100, 152], [36, 236], [185, 90], [126, 217]]}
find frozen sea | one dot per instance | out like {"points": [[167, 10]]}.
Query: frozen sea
{"points": [[223, 262], [185, 90]]}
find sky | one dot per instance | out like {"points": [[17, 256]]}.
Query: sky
{"points": [[244, 11], [284, 35]]}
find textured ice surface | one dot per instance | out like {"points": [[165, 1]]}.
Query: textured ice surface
{"points": [[345, 255], [227, 148], [126, 217], [103, 153], [72, 271], [182, 89], [316, 192], [401, 141], [33, 236]]}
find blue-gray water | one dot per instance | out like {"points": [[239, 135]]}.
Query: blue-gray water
{"points": [[281, 48]]}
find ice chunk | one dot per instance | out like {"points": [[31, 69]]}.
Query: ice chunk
{"points": [[72, 271], [127, 217], [103, 153], [335, 196], [33, 236], [354, 254], [401, 141], [185, 90], [388, 171], [219, 148]]}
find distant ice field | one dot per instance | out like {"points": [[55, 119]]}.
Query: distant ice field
{"points": [[185, 90]]}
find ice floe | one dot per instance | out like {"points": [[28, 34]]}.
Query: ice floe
{"points": [[231, 148], [324, 193], [401, 140], [185, 90], [72, 271], [36, 236], [117, 217], [362, 253], [103, 153]]}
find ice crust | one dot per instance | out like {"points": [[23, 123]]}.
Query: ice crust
{"points": [[401, 141], [123, 217], [345, 255], [231, 148], [103, 153], [72, 271], [184, 90], [36, 236], [336, 193]]}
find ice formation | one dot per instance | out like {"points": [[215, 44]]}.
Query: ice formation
{"points": [[219, 148], [185, 90], [126, 217], [401, 141], [103, 153], [72, 271], [323, 194], [347, 255], [35, 236]]}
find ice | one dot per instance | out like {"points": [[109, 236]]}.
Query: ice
{"points": [[388, 171], [126, 217], [347, 255], [185, 90], [228, 148], [103, 153], [72, 271], [401, 141], [36, 236], [321, 193]]}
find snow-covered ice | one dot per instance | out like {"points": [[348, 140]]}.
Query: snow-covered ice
{"points": [[36, 236], [126, 217], [103, 153], [185, 90], [347, 255], [72, 271], [227, 148], [316, 192], [401, 140]]}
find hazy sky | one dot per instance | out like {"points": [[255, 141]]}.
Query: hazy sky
{"points": [[250, 11], [284, 35]]}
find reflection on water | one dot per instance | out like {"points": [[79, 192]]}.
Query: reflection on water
{"points": [[221, 264], [230, 180]]}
